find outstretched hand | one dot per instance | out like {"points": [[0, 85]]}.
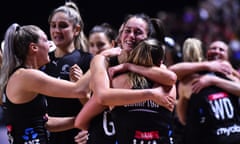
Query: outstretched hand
{"points": [[112, 52]]}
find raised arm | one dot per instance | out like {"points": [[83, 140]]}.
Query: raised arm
{"points": [[160, 75], [100, 84], [230, 86], [57, 124], [183, 69], [35, 81], [113, 96], [91, 109]]}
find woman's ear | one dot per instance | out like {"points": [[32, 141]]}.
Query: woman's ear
{"points": [[77, 30], [33, 48]]}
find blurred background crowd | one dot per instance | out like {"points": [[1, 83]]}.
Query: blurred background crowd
{"points": [[207, 20], [210, 20]]}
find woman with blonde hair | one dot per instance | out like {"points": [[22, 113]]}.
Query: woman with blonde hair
{"points": [[22, 83], [192, 52], [68, 61], [208, 104]]}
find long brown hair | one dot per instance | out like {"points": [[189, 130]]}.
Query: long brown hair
{"points": [[149, 52]]}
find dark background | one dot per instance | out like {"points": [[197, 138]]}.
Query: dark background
{"points": [[92, 11]]}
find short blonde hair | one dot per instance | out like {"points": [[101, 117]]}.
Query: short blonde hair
{"points": [[192, 50]]}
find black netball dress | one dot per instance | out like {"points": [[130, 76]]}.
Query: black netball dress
{"points": [[25, 122], [213, 117], [101, 129], [143, 123], [65, 107]]}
